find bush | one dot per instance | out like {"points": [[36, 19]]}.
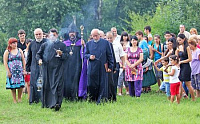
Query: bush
{"points": [[168, 16], [3, 45]]}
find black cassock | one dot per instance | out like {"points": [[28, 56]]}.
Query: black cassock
{"points": [[52, 72], [72, 72], [97, 75], [33, 67]]}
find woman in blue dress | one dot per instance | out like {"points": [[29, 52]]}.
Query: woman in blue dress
{"points": [[14, 63]]}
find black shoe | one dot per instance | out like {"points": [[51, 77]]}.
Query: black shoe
{"points": [[57, 107]]}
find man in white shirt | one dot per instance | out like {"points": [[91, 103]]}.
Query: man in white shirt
{"points": [[116, 37], [182, 31]]}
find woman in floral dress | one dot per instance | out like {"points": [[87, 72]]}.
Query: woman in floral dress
{"points": [[14, 63], [134, 70]]}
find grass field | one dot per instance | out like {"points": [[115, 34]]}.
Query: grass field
{"points": [[150, 108]]}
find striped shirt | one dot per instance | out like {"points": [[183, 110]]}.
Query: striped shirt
{"points": [[165, 75]]}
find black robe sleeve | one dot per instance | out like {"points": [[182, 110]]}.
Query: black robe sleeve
{"points": [[87, 52], [64, 53], [109, 55], [39, 54]]}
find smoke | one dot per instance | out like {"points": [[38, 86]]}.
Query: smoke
{"points": [[49, 50], [87, 16]]}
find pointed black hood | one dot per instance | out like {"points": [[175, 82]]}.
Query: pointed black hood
{"points": [[72, 28]]}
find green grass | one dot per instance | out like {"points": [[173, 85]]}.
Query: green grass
{"points": [[150, 108]]}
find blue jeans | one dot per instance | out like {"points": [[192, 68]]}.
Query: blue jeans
{"points": [[165, 86]]}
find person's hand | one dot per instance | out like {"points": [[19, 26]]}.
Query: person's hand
{"points": [[134, 70], [40, 62], [132, 66], [156, 62], [82, 42], [59, 52], [24, 72], [115, 71], [124, 67], [109, 70], [180, 62], [146, 69], [92, 57], [9, 74], [154, 49]]}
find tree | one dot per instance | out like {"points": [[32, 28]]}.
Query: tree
{"points": [[31, 14], [168, 16]]}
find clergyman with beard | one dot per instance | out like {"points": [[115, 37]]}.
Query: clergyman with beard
{"points": [[75, 78], [51, 56], [32, 65]]}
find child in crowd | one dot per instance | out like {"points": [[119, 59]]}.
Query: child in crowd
{"points": [[121, 78], [165, 86], [173, 79], [27, 75]]}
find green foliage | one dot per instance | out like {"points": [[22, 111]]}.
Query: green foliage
{"points": [[168, 16], [3, 44], [31, 14], [115, 11]]}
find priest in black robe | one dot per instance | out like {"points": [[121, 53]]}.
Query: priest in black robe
{"points": [[32, 65], [52, 55], [75, 73], [99, 54]]}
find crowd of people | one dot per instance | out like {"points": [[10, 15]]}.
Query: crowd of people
{"points": [[75, 70]]}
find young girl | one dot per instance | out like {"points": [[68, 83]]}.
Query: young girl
{"points": [[157, 50], [173, 79], [125, 44], [27, 75]]}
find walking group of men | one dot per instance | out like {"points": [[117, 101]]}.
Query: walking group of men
{"points": [[72, 69]]}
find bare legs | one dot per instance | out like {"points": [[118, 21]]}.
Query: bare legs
{"points": [[13, 91], [20, 94], [121, 89], [28, 89], [177, 97], [188, 84], [197, 93]]}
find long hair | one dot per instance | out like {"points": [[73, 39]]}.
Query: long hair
{"points": [[174, 45], [10, 41], [182, 36], [159, 44], [124, 34]]}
